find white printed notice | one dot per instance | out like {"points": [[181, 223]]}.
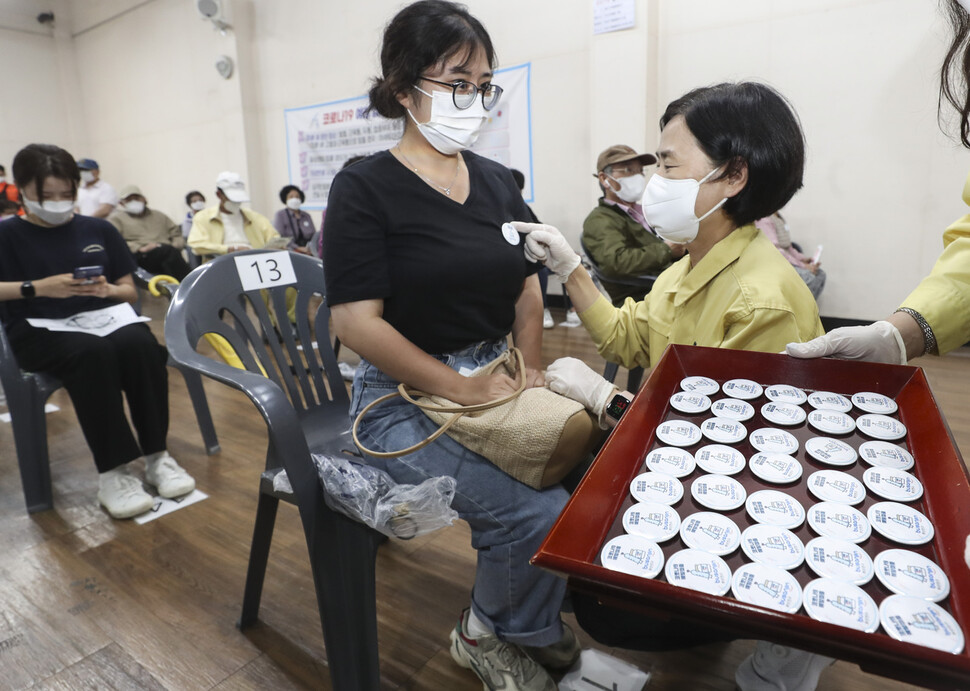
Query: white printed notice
{"points": [[613, 15], [320, 138], [265, 270], [95, 322]]}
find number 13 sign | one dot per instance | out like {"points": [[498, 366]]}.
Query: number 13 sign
{"points": [[265, 270]]}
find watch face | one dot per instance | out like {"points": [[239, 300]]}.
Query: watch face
{"points": [[27, 289], [617, 406]]}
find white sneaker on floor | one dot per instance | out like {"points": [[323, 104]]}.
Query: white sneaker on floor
{"points": [[547, 321], [346, 371], [498, 664], [122, 495], [168, 477], [775, 667], [572, 319]]}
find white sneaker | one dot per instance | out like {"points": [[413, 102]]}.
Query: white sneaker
{"points": [[122, 495], [572, 319], [167, 476], [547, 322], [774, 667]]}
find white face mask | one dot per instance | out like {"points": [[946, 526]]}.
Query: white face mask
{"points": [[294, 203], [197, 206], [3, 179], [87, 177], [232, 207], [668, 206], [135, 207], [450, 130], [50, 212], [631, 187]]}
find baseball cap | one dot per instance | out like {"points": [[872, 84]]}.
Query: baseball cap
{"points": [[620, 153], [88, 164], [129, 190], [232, 186]]}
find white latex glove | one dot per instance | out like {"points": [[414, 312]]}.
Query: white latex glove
{"points": [[573, 379], [547, 245], [878, 342], [966, 552]]}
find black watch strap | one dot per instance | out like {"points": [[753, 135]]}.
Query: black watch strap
{"points": [[27, 289]]}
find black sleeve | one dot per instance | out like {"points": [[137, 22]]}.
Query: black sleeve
{"points": [[120, 260], [355, 255]]}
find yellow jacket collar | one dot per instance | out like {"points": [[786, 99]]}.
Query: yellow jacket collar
{"points": [[721, 256]]}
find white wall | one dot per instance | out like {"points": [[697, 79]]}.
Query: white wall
{"points": [[135, 87]]}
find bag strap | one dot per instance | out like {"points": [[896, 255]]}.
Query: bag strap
{"points": [[457, 410]]}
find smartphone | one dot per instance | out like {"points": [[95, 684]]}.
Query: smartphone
{"points": [[818, 255], [87, 274]]}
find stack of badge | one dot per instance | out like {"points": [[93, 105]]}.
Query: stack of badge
{"points": [[918, 621], [697, 570], [767, 586], [787, 414], [838, 559], [634, 555], [900, 523], [892, 484], [881, 427], [783, 393], [733, 409], [690, 402], [723, 430], [701, 385], [772, 546], [869, 402], [830, 451], [720, 459], [908, 573], [775, 508], [841, 603], [671, 461], [831, 421], [656, 522], [839, 521], [773, 440], [718, 492], [885, 455], [836, 486], [710, 532], [742, 388], [826, 400], [678, 433], [778, 468], [659, 488]]}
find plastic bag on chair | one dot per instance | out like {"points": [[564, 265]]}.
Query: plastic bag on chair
{"points": [[370, 495]]}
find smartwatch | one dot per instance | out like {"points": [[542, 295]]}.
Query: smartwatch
{"points": [[617, 406], [27, 290]]}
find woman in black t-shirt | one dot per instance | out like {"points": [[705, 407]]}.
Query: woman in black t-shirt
{"points": [[425, 286], [40, 254]]}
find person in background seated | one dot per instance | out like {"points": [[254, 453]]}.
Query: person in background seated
{"points": [[195, 200], [39, 254], [95, 197], [615, 234], [547, 321], [228, 227], [154, 238], [775, 228], [8, 209], [293, 223], [729, 155], [8, 190]]}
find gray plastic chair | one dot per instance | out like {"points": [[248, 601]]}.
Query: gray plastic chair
{"points": [[304, 403], [27, 393]]}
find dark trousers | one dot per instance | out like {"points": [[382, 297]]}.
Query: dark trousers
{"points": [[95, 371], [164, 259]]}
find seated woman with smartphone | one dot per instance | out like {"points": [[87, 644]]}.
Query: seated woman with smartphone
{"points": [[55, 264]]}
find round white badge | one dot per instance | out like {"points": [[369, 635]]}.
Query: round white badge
{"points": [[773, 440], [510, 234], [882, 454], [689, 402], [836, 486], [881, 427], [779, 468], [787, 414], [733, 409], [837, 602], [697, 570], [924, 623], [710, 532], [718, 492], [892, 484], [772, 546], [840, 521], [767, 586], [908, 573], [723, 430], [831, 421], [679, 433], [671, 461], [830, 451], [701, 385], [657, 487], [719, 459], [901, 523], [653, 521], [838, 559], [634, 555], [742, 388], [783, 393], [775, 508], [869, 402], [826, 400]]}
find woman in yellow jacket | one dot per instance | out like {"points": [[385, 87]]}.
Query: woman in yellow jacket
{"points": [[729, 155]]}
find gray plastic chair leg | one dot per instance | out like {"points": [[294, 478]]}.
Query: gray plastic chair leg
{"points": [[193, 382], [30, 438]]}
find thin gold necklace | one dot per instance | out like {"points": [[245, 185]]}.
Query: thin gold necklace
{"points": [[446, 190]]}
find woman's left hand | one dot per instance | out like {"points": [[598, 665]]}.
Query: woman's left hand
{"points": [[534, 378]]}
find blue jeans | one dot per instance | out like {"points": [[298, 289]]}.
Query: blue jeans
{"points": [[508, 519]]}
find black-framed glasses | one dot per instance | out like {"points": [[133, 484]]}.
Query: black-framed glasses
{"points": [[463, 93]]}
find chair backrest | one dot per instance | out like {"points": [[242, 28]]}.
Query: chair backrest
{"points": [[641, 280], [211, 300]]}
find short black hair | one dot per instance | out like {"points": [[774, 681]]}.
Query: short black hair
{"points": [[422, 35], [36, 162], [285, 192], [193, 193], [519, 178], [2, 169], [747, 124]]}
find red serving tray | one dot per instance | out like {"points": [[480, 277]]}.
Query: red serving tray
{"points": [[594, 513]]}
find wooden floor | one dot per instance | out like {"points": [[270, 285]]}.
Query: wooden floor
{"points": [[90, 602]]}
